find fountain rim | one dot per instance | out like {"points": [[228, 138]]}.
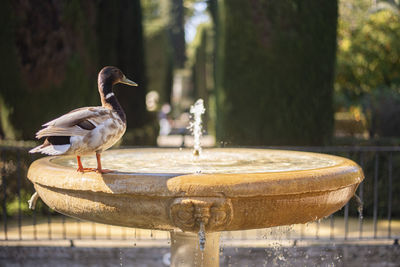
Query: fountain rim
{"points": [[44, 172]]}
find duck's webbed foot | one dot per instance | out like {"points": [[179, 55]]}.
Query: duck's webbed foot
{"points": [[103, 171], [80, 166], [99, 168], [83, 170]]}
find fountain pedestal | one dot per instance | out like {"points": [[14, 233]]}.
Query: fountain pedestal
{"points": [[237, 189]]}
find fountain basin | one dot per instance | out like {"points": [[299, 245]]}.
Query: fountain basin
{"points": [[225, 189]]}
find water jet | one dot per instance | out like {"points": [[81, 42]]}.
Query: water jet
{"points": [[196, 125]]}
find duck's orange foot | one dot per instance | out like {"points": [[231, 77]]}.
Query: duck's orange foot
{"points": [[103, 171], [83, 170]]}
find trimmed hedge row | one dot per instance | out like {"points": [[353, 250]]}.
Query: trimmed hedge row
{"points": [[275, 71], [51, 53]]}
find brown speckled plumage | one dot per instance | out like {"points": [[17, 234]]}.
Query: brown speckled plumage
{"points": [[88, 130]]}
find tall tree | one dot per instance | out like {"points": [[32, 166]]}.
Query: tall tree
{"points": [[52, 52], [120, 39], [177, 32], [48, 53], [275, 71]]}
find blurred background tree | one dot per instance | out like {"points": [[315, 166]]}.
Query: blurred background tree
{"points": [[368, 65], [120, 41], [158, 48], [177, 32], [264, 68], [275, 72], [52, 52], [46, 53]]}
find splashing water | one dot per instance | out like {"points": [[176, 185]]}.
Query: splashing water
{"points": [[196, 125]]}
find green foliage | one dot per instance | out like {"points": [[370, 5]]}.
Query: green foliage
{"points": [[368, 69], [9, 70], [6, 129], [392, 5], [155, 15], [43, 79], [16, 189], [275, 71], [20, 204], [176, 32], [120, 40], [167, 17], [369, 57], [158, 48], [14, 163], [159, 63], [51, 60]]}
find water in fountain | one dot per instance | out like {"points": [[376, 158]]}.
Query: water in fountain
{"points": [[172, 161], [196, 125]]}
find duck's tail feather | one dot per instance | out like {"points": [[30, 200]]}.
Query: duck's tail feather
{"points": [[51, 149]]}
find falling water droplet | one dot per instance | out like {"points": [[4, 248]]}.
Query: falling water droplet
{"points": [[360, 206], [202, 237], [167, 259], [120, 257]]}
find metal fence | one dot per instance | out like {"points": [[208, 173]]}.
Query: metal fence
{"points": [[379, 193]]}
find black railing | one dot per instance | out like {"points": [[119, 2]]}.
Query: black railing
{"points": [[381, 166]]}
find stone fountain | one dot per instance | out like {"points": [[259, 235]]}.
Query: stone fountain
{"points": [[192, 197], [196, 195]]}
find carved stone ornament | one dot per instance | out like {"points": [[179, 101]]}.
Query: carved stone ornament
{"points": [[188, 213]]}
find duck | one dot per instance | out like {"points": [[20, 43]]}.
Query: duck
{"points": [[88, 130]]}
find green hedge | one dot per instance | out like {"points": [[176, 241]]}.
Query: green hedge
{"points": [[51, 53], [159, 63], [275, 71], [42, 72]]}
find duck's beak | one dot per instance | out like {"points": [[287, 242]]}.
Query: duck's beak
{"points": [[125, 80]]}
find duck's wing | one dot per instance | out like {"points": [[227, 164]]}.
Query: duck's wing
{"points": [[75, 123]]}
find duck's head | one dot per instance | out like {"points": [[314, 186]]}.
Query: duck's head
{"points": [[109, 76]]}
